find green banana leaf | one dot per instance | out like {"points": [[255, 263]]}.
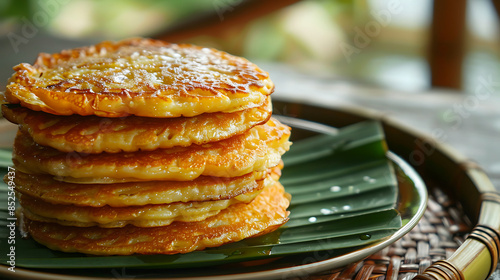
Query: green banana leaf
{"points": [[344, 195]]}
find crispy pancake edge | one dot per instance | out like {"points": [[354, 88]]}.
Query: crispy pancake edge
{"points": [[92, 134], [257, 149], [204, 188], [265, 213], [140, 216]]}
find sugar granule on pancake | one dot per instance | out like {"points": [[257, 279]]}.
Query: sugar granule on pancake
{"points": [[142, 77], [265, 213], [92, 134], [257, 149]]}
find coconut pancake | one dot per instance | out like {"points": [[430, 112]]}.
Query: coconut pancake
{"points": [[203, 188], [142, 77], [264, 214], [151, 215], [91, 134], [256, 150]]}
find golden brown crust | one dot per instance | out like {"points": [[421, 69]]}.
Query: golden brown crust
{"points": [[150, 215], [140, 77], [265, 213], [92, 134], [256, 150], [203, 188]]}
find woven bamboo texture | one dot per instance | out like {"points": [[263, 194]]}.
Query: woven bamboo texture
{"points": [[442, 229]]}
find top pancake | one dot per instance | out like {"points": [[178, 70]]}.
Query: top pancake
{"points": [[140, 77]]}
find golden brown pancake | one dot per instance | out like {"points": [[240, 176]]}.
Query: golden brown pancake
{"points": [[264, 214], [256, 150], [140, 77], [151, 215], [145, 147], [91, 134], [203, 188]]}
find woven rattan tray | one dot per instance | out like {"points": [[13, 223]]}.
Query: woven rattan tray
{"points": [[459, 236]]}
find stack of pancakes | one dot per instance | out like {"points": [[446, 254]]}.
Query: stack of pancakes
{"points": [[145, 147]]}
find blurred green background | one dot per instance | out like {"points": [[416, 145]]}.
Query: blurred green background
{"points": [[379, 42]]}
